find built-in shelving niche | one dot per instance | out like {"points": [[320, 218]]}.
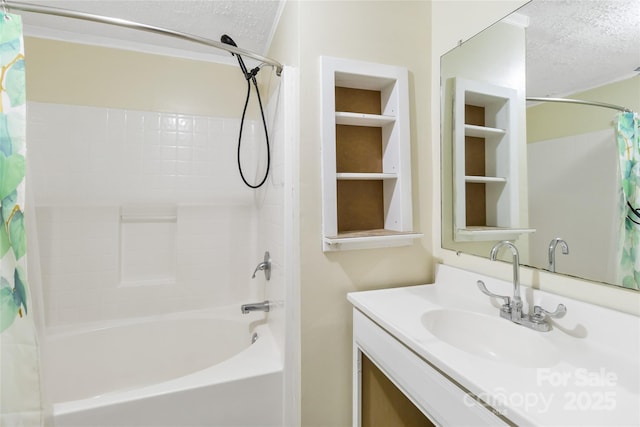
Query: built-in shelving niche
{"points": [[366, 156], [485, 163]]}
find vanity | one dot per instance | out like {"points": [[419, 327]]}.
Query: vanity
{"points": [[446, 348], [473, 350]]}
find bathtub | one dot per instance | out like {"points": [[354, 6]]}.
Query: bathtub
{"points": [[187, 369]]}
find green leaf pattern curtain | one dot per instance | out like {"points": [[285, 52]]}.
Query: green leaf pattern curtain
{"points": [[20, 396], [628, 139]]}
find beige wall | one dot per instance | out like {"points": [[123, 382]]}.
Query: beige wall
{"points": [[400, 33], [391, 32], [555, 120], [78, 74]]}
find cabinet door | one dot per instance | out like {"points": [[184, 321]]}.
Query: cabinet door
{"points": [[382, 404]]}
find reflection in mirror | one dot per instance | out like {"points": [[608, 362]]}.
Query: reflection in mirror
{"points": [[566, 197]]}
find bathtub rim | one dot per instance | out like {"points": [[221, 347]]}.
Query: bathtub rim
{"points": [[259, 358], [226, 312]]}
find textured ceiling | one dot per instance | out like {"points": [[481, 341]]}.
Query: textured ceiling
{"points": [[571, 44], [574, 45], [250, 23]]}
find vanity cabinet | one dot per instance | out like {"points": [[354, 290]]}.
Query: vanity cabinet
{"points": [[446, 347], [439, 400], [366, 163], [382, 403], [485, 162]]}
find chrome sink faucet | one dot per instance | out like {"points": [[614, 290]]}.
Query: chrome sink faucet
{"points": [[552, 252], [512, 307], [516, 302]]}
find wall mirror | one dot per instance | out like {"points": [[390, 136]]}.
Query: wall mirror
{"points": [[541, 170]]}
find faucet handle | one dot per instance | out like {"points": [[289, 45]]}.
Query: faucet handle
{"points": [[484, 290], [264, 266], [540, 313]]}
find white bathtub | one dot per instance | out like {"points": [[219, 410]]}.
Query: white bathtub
{"points": [[186, 369]]}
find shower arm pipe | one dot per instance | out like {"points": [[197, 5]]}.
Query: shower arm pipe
{"points": [[579, 101], [67, 13]]}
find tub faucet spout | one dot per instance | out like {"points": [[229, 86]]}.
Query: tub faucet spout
{"points": [[258, 306]]}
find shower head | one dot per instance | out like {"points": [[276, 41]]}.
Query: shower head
{"points": [[228, 40]]}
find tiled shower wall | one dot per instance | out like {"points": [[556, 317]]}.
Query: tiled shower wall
{"points": [[175, 175]]}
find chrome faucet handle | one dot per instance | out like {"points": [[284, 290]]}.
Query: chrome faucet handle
{"points": [[264, 266], [484, 290], [540, 313], [261, 267]]}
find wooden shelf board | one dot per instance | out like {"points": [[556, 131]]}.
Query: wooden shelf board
{"points": [[483, 233], [358, 100], [481, 228], [482, 131], [485, 179], [365, 176], [361, 119], [371, 233], [368, 239]]}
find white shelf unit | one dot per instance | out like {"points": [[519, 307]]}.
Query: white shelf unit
{"points": [[366, 163], [362, 119], [365, 176], [485, 163]]}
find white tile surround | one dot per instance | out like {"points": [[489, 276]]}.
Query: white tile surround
{"points": [[88, 163], [105, 156]]}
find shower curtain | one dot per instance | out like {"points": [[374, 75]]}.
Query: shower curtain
{"points": [[628, 139], [20, 395]]}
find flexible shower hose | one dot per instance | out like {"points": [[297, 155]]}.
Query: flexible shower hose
{"points": [[251, 77]]}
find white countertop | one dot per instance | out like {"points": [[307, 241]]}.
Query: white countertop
{"points": [[585, 371]]}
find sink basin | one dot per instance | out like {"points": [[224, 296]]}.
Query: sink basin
{"points": [[529, 378], [491, 337]]}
